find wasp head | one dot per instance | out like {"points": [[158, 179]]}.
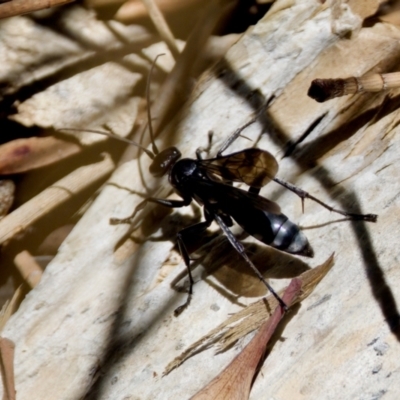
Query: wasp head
{"points": [[163, 161]]}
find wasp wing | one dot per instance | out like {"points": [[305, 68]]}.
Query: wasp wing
{"points": [[254, 167], [247, 199], [229, 199]]}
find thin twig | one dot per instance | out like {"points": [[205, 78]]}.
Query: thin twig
{"points": [[169, 94], [53, 196], [10, 307], [28, 267], [162, 27], [132, 10], [325, 89]]}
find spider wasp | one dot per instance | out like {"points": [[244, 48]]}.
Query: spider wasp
{"points": [[209, 183]]}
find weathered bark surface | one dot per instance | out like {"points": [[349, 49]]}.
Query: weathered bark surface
{"points": [[104, 308]]}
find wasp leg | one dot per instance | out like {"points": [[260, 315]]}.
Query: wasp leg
{"points": [[305, 195], [240, 249], [196, 229], [205, 149], [235, 135], [141, 205], [128, 220], [254, 190]]}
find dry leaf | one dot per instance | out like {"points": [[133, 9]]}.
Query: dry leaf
{"points": [[23, 155], [235, 381], [250, 318], [21, 33], [63, 106], [72, 69], [19, 7], [57, 54], [7, 368]]}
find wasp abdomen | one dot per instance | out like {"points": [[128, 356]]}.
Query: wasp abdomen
{"points": [[288, 236], [276, 230]]}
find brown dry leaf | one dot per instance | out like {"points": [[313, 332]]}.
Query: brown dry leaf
{"points": [[250, 318], [22, 33], [7, 368], [23, 155], [62, 105], [19, 7], [80, 43], [72, 69], [235, 381]]}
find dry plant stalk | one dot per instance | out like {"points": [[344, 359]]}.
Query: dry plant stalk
{"points": [[19, 7], [235, 381], [7, 349], [162, 27], [53, 196], [28, 267], [325, 89], [169, 94], [9, 308], [134, 9]]}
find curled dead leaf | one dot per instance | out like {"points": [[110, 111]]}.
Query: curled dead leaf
{"points": [[7, 368], [235, 381], [23, 155], [250, 318]]}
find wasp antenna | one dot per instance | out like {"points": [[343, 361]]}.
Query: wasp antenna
{"points": [[244, 137], [113, 136], [155, 149]]}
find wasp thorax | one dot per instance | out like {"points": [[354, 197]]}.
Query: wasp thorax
{"points": [[163, 161]]}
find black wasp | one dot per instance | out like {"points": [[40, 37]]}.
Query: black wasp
{"points": [[209, 183]]}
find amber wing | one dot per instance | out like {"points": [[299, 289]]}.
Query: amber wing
{"points": [[254, 167]]}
